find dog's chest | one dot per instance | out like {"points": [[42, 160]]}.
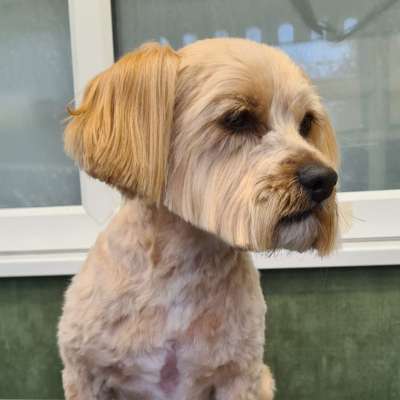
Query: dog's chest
{"points": [[161, 374], [191, 349], [175, 338]]}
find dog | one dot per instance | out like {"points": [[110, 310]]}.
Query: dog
{"points": [[220, 148]]}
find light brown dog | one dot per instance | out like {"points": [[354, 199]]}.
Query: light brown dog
{"points": [[219, 148]]}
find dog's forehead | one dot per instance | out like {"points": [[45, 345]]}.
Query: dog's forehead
{"points": [[245, 67]]}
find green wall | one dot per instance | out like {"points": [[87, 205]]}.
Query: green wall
{"points": [[333, 334], [29, 363]]}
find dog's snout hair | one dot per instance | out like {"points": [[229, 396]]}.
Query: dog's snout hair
{"points": [[210, 147]]}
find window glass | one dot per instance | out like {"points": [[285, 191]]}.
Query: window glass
{"points": [[350, 48], [35, 87]]}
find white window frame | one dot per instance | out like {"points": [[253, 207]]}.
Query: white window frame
{"points": [[55, 240]]}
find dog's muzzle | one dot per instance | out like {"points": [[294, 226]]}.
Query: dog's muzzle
{"points": [[318, 181]]}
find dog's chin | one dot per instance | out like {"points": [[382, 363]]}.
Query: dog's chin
{"points": [[297, 232]]}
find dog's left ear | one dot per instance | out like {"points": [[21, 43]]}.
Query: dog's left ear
{"points": [[120, 134]]}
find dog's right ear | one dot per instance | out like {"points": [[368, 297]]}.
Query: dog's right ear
{"points": [[120, 134]]}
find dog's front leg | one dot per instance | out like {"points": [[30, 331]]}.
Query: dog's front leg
{"points": [[257, 384], [267, 384], [78, 385]]}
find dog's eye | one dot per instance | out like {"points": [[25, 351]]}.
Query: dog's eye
{"points": [[306, 124], [240, 121]]}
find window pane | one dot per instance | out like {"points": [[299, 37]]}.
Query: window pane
{"points": [[350, 48], [35, 86]]}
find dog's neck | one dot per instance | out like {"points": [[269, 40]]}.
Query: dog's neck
{"points": [[164, 236]]}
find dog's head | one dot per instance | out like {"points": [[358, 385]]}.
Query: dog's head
{"points": [[226, 133]]}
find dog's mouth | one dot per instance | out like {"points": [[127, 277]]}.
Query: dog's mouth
{"points": [[297, 231], [297, 217]]}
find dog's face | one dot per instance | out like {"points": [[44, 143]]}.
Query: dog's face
{"points": [[227, 133]]}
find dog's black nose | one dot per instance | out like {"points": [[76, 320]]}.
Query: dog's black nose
{"points": [[319, 181]]}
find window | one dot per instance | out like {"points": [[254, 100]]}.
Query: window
{"points": [[351, 50], [36, 84], [50, 213]]}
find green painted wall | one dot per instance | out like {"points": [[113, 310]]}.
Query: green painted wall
{"points": [[333, 334], [29, 363]]}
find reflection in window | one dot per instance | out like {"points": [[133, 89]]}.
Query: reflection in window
{"points": [[163, 40], [349, 24], [221, 33], [351, 50], [254, 33], [322, 59], [35, 87], [188, 38], [285, 33]]}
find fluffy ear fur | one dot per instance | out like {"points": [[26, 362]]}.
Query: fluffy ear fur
{"points": [[120, 134]]}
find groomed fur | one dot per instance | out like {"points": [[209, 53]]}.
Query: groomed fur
{"points": [[239, 186], [168, 305], [121, 132]]}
